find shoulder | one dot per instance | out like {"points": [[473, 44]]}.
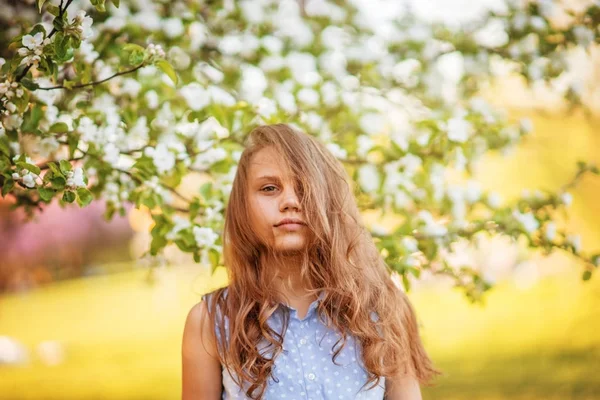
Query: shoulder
{"points": [[198, 330], [201, 368]]}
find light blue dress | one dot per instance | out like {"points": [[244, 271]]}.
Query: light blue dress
{"points": [[305, 370]]}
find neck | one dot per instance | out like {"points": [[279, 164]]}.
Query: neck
{"points": [[287, 277]]}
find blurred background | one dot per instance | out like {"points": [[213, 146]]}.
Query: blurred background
{"points": [[83, 316]]}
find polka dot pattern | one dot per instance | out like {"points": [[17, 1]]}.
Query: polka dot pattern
{"points": [[305, 370]]}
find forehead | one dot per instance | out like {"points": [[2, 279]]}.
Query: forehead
{"points": [[267, 162]]}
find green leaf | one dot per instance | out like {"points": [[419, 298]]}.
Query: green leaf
{"points": [[167, 69], [136, 58], [130, 47], [65, 167], [7, 187], [69, 196], [116, 3], [46, 193], [73, 142], [59, 127], [84, 196], [52, 9], [206, 191], [194, 208], [405, 282], [587, 274], [29, 84], [213, 256], [4, 146], [40, 3], [99, 4], [30, 167], [54, 168], [58, 183], [32, 118]]}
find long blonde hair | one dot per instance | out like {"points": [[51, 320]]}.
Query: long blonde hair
{"points": [[341, 260]]}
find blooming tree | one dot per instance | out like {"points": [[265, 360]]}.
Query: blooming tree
{"points": [[119, 101]]}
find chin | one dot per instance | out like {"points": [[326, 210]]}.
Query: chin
{"points": [[290, 246]]}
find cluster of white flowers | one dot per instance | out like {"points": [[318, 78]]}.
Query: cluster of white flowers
{"points": [[33, 48], [205, 237], [432, 227], [159, 189], [527, 220], [180, 225], [207, 158], [82, 24], [9, 90], [155, 51], [76, 178], [25, 176]]}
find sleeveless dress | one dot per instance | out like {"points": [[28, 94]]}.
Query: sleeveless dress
{"points": [[305, 370]]}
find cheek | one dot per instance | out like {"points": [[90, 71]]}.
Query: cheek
{"points": [[261, 217]]}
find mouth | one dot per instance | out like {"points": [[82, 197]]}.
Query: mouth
{"points": [[290, 226]]}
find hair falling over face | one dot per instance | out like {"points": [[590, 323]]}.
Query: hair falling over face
{"points": [[339, 258]]}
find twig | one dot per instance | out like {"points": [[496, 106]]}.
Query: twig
{"points": [[93, 83]]}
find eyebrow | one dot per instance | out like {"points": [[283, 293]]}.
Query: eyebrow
{"points": [[268, 177]]}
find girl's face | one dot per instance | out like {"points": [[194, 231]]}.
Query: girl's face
{"points": [[272, 198]]}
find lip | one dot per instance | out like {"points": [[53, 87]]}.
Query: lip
{"points": [[290, 227], [290, 221]]}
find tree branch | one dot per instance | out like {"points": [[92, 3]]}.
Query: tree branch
{"points": [[94, 83]]}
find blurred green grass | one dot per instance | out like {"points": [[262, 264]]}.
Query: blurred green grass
{"points": [[122, 333]]}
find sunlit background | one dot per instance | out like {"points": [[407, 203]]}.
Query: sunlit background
{"points": [[82, 316]]}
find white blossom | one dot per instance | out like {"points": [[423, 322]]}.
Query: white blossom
{"points": [[526, 125], [272, 43], [432, 227], [575, 241], [84, 24], [204, 160], [566, 198], [198, 35], [162, 157], [303, 67], [172, 27], [29, 179], [212, 128], [218, 95], [286, 100], [151, 99], [459, 130], [369, 178], [33, 42], [47, 146], [205, 237], [337, 151], [309, 97], [230, 45], [253, 83], [372, 123], [180, 224], [550, 231], [527, 220], [111, 154], [195, 96], [410, 244], [494, 200], [75, 178], [179, 58], [266, 107]]}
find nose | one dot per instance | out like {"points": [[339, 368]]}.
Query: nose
{"points": [[290, 201]]}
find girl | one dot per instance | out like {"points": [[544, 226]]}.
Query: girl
{"points": [[310, 311]]}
